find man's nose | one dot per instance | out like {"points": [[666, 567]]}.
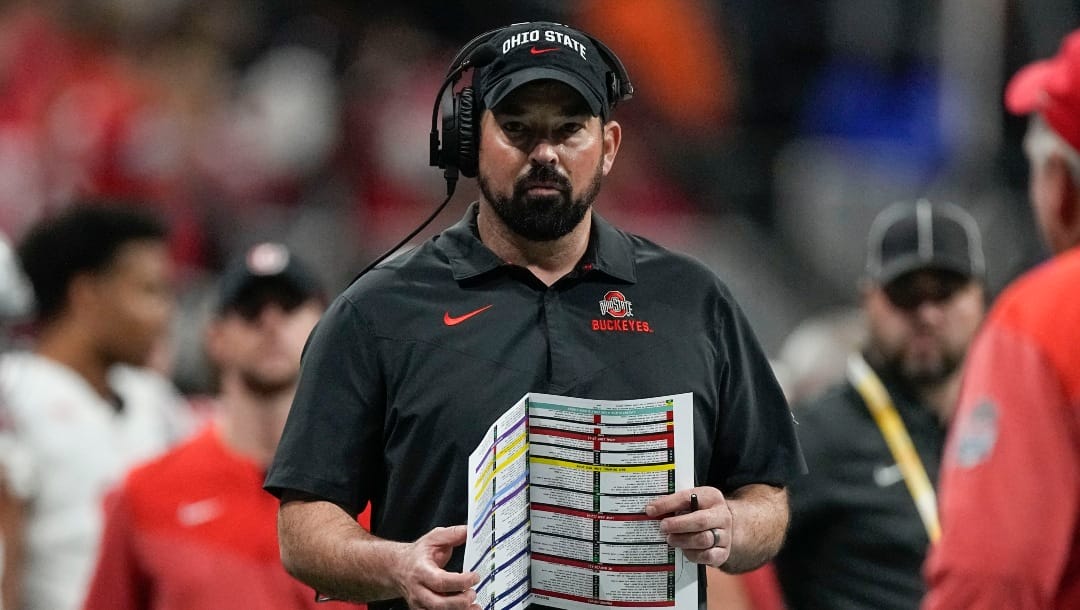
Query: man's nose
{"points": [[544, 152], [270, 314], [930, 311]]}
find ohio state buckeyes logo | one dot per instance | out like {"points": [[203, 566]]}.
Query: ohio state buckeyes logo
{"points": [[616, 305]]}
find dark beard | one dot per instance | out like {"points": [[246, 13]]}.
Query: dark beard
{"points": [[544, 218], [266, 388], [895, 367]]}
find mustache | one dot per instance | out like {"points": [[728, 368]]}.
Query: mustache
{"points": [[542, 174]]}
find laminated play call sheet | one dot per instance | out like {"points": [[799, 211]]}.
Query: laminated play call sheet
{"points": [[557, 495]]}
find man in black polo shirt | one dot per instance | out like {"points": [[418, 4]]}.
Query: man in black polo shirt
{"points": [[863, 518], [531, 291]]}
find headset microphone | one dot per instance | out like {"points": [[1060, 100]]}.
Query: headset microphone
{"points": [[477, 58]]}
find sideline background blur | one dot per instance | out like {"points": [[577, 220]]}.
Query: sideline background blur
{"points": [[763, 138]]}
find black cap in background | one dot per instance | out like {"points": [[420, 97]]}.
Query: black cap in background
{"points": [[266, 270], [910, 236]]}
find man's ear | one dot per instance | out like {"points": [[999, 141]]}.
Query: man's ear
{"points": [[612, 139], [1070, 206], [83, 295], [1066, 209], [864, 287], [213, 341]]}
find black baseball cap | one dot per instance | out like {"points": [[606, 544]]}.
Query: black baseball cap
{"points": [[266, 271], [911, 236], [540, 50]]}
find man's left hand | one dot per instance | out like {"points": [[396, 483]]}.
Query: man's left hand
{"points": [[705, 534]]}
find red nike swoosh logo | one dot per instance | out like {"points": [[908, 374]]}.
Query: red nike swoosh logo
{"points": [[454, 321], [536, 51]]}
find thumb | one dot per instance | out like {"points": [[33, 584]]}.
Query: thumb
{"points": [[441, 541], [448, 536]]}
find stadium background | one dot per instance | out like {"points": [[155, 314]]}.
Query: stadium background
{"points": [[763, 138]]}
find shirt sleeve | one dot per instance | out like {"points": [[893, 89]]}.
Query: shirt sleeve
{"points": [[1009, 499], [811, 506], [331, 446], [118, 582], [756, 441]]}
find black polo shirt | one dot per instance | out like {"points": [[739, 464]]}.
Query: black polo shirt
{"points": [[412, 363], [856, 540]]}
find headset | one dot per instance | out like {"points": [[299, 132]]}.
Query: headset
{"points": [[461, 110], [458, 150]]}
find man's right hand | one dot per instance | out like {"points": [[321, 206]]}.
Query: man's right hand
{"points": [[423, 582]]}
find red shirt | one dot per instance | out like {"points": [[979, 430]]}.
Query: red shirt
{"points": [[1010, 481], [194, 529]]}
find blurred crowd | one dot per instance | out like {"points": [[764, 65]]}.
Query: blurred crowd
{"points": [[767, 135]]}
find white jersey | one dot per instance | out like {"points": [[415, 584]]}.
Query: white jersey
{"points": [[62, 447]]}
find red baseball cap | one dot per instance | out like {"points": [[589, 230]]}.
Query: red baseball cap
{"points": [[1051, 87]]}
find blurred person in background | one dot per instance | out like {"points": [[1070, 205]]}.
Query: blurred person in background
{"points": [[864, 516], [814, 354], [1010, 483], [194, 528], [80, 408]]}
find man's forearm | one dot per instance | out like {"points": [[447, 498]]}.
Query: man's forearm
{"points": [[324, 547], [759, 521]]}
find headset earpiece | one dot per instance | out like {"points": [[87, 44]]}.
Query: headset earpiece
{"points": [[468, 146], [458, 152], [459, 143]]}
